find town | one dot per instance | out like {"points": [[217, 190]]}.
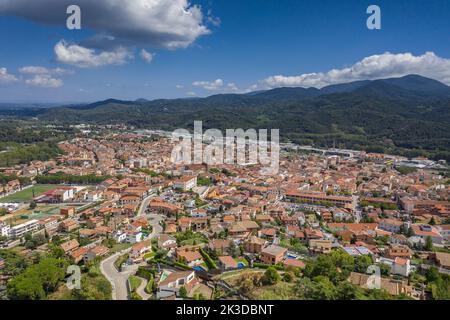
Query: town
{"points": [[142, 228]]}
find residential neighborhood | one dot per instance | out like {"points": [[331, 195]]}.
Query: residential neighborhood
{"points": [[144, 228]]}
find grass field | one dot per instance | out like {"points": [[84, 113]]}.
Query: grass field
{"points": [[27, 194], [135, 282]]}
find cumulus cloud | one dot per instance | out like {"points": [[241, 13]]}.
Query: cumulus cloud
{"points": [[5, 77], [146, 56], [219, 85], [44, 81], [168, 24], [209, 85], [42, 70], [82, 57], [370, 68]]}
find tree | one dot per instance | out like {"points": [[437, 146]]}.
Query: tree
{"points": [[428, 243], [33, 205], [288, 277], [26, 286], [183, 292], [432, 222], [271, 276], [37, 280], [3, 212], [362, 262]]}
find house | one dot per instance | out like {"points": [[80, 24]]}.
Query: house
{"points": [[220, 245], [320, 245], [442, 259], [398, 252], [393, 287], [50, 224], [87, 233], [227, 262], [139, 249], [69, 246], [185, 183], [103, 231], [444, 230], [171, 282], [97, 251], [273, 254], [166, 241], [69, 225], [119, 236], [191, 258], [67, 212], [254, 244], [237, 230], [78, 254], [391, 225], [94, 222], [133, 236], [398, 239], [399, 266], [423, 231]]}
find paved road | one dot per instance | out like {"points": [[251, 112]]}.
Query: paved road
{"points": [[154, 221], [118, 279], [144, 204]]}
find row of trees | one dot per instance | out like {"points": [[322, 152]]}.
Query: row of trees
{"points": [[62, 178]]}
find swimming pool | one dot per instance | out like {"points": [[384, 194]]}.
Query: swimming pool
{"points": [[198, 268], [241, 265]]}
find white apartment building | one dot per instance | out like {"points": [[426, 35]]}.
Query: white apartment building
{"points": [[4, 229], [23, 228]]}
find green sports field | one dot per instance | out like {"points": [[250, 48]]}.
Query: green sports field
{"points": [[27, 194]]}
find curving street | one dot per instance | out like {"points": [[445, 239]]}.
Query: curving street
{"points": [[118, 279]]}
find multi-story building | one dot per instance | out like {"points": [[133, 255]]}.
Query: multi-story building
{"points": [[4, 229], [23, 228], [321, 198]]}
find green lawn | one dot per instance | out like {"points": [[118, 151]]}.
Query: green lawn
{"points": [[149, 255], [27, 194], [135, 282]]}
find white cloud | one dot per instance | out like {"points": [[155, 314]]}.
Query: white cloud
{"points": [[82, 57], [44, 81], [43, 70], [215, 21], [168, 24], [146, 56], [179, 86], [191, 93], [209, 85], [374, 67], [5, 77]]}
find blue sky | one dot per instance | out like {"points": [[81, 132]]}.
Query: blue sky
{"points": [[232, 46]]}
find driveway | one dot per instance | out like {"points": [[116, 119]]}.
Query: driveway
{"points": [[141, 289]]}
